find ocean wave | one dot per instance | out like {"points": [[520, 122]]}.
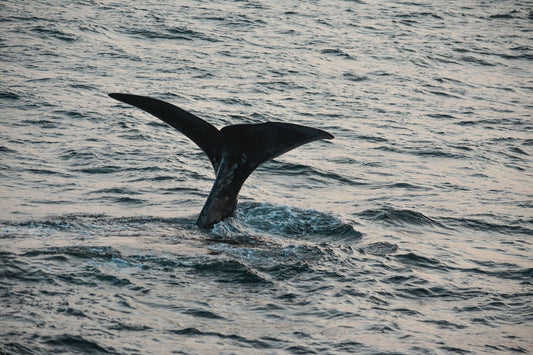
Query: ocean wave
{"points": [[116, 190], [394, 216], [422, 151], [10, 95], [4, 149], [379, 248], [504, 272], [284, 168], [91, 225], [413, 259], [354, 77], [105, 169], [87, 252], [220, 264], [513, 228], [230, 271], [406, 186], [171, 33], [69, 342], [248, 343], [51, 31], [338, 52], [253, 218]]}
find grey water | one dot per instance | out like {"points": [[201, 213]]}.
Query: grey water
{"points": [[409, 233]]}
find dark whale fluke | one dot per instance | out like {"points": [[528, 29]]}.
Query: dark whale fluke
{"points": [[234, 151]]}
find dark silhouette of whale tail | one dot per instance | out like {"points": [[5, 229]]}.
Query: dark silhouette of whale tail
{"points": [[234, 151]]}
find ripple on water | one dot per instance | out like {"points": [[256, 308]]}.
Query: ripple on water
{"points": [[261, 218], [394, 216]]}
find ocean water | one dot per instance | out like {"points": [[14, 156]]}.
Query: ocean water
{"points": [[409, 233]]}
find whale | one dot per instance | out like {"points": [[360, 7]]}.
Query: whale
{"points": [[234, 151]]}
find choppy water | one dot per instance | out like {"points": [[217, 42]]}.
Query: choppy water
{"points": [[408, 233]]}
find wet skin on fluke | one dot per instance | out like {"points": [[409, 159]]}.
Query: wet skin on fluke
{"points": [[235, 151]]}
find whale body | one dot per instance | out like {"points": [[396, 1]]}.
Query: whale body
{"points": [[235, 151]]}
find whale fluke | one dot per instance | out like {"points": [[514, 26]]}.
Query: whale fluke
{"points": [[235, 151], [204, 134]]}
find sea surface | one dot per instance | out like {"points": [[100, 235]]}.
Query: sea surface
{"points": [[409, 233]]}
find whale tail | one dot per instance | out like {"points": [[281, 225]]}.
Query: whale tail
{"points": [[235, 151]]}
